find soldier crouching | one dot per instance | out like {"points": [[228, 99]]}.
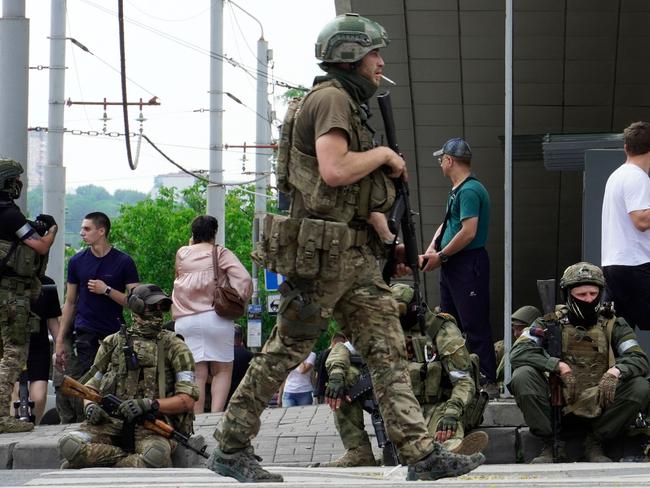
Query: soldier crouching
{"points": [[444, 377], [152, 370], [601, 366]]}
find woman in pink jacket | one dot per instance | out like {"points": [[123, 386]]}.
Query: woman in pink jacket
{"points": [[209, 336]]}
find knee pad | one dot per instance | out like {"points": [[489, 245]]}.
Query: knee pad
{"points": [[156, 456], [70, 444]]}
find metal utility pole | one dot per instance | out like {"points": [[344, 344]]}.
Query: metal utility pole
{"points": [[54, 171], [14, 85], [216, 194]]}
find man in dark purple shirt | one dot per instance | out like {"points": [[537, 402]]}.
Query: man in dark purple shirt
{"points": [[99, 278]]}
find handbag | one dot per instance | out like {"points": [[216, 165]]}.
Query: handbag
{"points": [[226, 302]]}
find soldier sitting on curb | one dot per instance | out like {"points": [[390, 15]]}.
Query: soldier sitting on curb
{"points": [[522, 317], [601, 367], [127, 365], [443, 375]]}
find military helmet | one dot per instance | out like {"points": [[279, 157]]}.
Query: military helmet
{"points": [[148, 294], [526, 314], [348, 38], [9, 169], [582, 273]]}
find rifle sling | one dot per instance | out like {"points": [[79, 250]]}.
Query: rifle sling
{"points": [[452, 195]]}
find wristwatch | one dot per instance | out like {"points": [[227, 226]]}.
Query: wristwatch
{"points": [[443, 257], [108, 290]]}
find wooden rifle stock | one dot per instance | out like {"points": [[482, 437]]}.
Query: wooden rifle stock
{"points": [[71, 387]]}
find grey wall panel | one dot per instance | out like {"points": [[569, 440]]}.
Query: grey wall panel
{"points": [[482, 24], [433, 46], [541, 47], [483, 70], [435, 70], [437, 92], [439, 23], [599, 93], [483, 47], [430, 114], [538, 71], [538, 94], [583, 22], [536, 23], [590, 47], [587, 119]]}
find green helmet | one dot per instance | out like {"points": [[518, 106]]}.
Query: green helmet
{"points": [[9, 171], [348, 38], [143, 295], [526, 314], [582, 273]]}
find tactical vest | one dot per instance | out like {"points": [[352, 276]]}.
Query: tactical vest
{"points": [[153, 378], [298, 173], [431, 384], [22, 260], [586, 351]]}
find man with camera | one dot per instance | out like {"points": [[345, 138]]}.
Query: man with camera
{"points": [[24, 247]]}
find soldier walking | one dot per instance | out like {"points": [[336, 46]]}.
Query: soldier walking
{"points": [[328, 250]]}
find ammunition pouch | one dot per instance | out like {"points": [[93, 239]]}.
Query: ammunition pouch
{"points": [[426, 381], [305, 248], [23, 261], [299, 317], [473, 414]]}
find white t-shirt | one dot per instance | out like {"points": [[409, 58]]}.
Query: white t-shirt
{"points": [[300, 382], [627, 190]]}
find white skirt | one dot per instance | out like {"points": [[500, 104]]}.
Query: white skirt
{"points": [[209, 336]]}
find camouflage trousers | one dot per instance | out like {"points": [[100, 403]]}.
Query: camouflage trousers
{"points": [[433, 413], [350, 425], [100, 447], [15, 331], [532, 394], [362, 304]]}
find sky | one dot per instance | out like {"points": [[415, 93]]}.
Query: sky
{"points": [[166, 56]]}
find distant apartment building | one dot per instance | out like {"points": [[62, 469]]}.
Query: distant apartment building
{"points": [[178, 180], [36, 157]]}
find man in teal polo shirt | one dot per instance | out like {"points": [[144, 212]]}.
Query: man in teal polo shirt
{"points": [[458, 248]]}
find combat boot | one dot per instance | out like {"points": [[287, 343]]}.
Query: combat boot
{"points": [[242, 465], [472, 443], [12, 424], [440, 463], [358, 456], [594, 450], [546, 456]]}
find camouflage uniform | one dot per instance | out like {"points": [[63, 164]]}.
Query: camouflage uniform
{"points": [[447, 387], [99, 444], [590, 350], [524, 316], [328, 252], [19, 282]]}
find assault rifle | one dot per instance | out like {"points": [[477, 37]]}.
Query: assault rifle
{"points": [[24, 405], [109, 403], [363, 388], [553, 341], [400, 217]]}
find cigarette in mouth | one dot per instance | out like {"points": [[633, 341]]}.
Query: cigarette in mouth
{"points": [[388, 80]]}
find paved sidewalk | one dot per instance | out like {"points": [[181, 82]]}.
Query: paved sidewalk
{"points": [[296, 436]]}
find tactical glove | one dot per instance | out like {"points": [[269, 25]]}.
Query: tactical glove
{"points": [[569, 382], [447, 422], [95, 414], [607, 389], [335, 386], [46, 219], [132, 409]]}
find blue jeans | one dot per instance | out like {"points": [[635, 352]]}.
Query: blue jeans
{"points": [[296, 399]]}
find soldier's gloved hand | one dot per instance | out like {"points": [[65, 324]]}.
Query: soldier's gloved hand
{"points": [[335, 390], [46, 219], [134, 408], [95, 414], [607, 389], [446, 428], [569, 382]]}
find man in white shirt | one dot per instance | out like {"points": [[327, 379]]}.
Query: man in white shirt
{"points": [[625, 249]]}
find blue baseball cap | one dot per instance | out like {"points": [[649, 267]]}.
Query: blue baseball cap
{"points": [[455, 147]]}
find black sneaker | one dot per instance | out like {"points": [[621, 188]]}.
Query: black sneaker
{"points": [[441, 463], [242, 465]]}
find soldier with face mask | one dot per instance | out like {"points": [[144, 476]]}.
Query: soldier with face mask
{"points": [[602, 367], [24, 247], [152, 371], [444, 377]]}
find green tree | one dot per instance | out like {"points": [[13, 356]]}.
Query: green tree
{"points": [[151, 231]]}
